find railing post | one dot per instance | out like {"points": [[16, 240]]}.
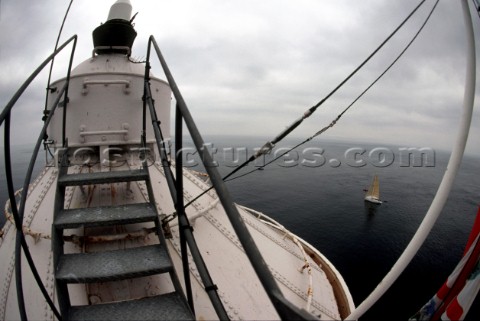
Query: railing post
{"points": [[186, 230], [251, 250], [144, 99], [66, 100], [179, 206]]}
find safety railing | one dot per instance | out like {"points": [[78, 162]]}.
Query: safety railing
{"points": [[18, 212], [284, 308]]}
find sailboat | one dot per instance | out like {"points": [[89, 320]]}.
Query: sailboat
{"points": [[373, 192], [115, 227]]}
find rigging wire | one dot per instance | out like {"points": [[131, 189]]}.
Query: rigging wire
{"points": [[324, 129], [476, 4], [268, 146], [53, 60], [45, 110]]}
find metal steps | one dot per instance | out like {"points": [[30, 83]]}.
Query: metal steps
{"points": [[103, 177], [105, 215], [169, 306], [113, 265]]}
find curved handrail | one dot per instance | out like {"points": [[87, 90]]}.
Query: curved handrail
{"points": [[8, 107], [446, 183], [18, 213], [55, 48], [285, 309]]}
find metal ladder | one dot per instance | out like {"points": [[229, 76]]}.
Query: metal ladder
{"points": [[117, 264]]}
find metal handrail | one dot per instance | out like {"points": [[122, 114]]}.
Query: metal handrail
{"points": [[8, 107], [18, 213], [186, 234], [284, 308]]}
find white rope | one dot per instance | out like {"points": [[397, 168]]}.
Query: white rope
{"points": [[292, 236], [26, 230], [305, 266], [8, 207]]}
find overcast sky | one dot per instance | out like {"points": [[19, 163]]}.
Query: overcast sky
{"points": [[253, 67]]}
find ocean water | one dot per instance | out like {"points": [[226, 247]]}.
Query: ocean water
{"points": [[317, 192], [21, 156]]}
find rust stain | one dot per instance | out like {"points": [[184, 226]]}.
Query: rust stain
{"points": [[139, 234], [91, 189], [113, 193]]}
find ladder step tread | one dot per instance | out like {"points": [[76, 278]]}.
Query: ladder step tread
{"points": [[103, 177], [105, 215], [113, 265], [170, 306]]}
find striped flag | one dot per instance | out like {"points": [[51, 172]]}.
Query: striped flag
{"points": [[457, 294]]}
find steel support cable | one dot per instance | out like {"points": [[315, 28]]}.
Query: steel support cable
{"points": [[334, 122], [326, 127], [45, 111], [53, 60], [268, 146]]}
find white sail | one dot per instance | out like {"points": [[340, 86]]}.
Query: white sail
{"points": [[373, 193]]}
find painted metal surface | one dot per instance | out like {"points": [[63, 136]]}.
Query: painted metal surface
{"points": [[105, 103]]}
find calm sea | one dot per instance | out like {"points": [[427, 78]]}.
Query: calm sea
{"points": [[317, 192]]}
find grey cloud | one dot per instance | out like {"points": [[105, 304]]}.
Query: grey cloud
{"points": [[257, 68]]}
